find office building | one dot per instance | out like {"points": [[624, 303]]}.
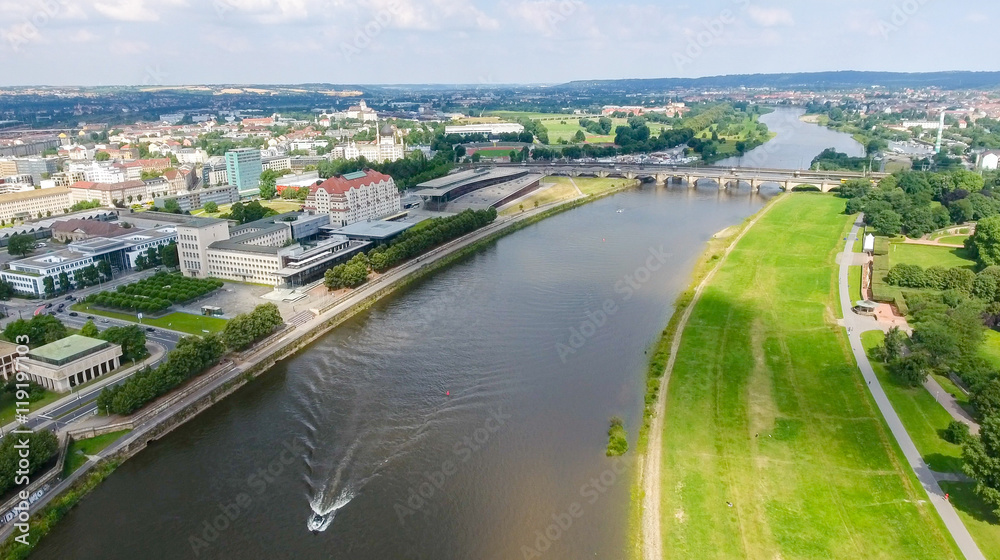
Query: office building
{"points": [[71, 361], [244, 168], [355, 197]]}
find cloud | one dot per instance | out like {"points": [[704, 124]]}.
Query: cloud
{"points": [[81, 36], [548, 17], [126, 47], [134, 10], [771, 17]]}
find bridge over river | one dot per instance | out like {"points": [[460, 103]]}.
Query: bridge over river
{"points": [[724, 178]]}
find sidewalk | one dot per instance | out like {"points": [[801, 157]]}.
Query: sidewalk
{"points": [[925, 475]]}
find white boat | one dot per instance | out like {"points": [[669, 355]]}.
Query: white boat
{"points": [[319, 522]]}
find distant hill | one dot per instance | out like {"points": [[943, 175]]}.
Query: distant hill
{"points": [[804, 80]]}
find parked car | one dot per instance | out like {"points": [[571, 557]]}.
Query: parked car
{"points": [[73, 313], [150, 330], [90, 317], [70, 298]]}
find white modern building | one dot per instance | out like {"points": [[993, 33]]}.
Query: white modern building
{"points": [[355, 197], [489, 129]]}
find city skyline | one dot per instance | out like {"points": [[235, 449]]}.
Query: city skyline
{"points": [[172, 42]]}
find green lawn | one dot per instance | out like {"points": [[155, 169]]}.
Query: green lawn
{"points": [[991, 347], [981, 522], [767, 410], [7, 405], [927, 256], [76, 453], [953, 240], [922, 416], [177, 321], [278, 205], [559, 131], [855, 283]]}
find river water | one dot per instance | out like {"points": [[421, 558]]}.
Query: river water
{"points": [[796, 144], [462, 418]]}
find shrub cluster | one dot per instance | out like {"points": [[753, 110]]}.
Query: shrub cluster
{"points": [[244, 330], [43, 445], [156, 293], [984, 286], [192, 356], [420, 240]]}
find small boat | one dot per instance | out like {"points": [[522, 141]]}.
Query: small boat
{"points": [[621, 210], [318, 522]]}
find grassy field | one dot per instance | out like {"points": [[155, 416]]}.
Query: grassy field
{"points": [[953, 239], [76, 453], [767, 411], [565, 127], [991, 347], [565, 191], [8, 406], [981, 522], [177, 321], [922, 416], [855, 285], [928, 256], [278, 205]]}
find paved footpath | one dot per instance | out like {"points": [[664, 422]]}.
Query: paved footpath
{"points": [[856, 326]]}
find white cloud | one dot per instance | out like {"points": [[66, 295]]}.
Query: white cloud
{"points": [[135, 10], [81, 36], [549, 17], [771, 17]]}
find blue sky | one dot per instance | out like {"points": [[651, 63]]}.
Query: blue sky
{"points": [[134, 42]]}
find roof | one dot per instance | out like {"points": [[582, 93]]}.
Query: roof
{"points": [[90, 227], [37, 193], [374, 230], [448, 183], [340, 185], [67, 349], [108, 186], [199, 223]]}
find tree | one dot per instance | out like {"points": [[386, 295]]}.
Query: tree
{"points": [[579, 137], [910, 371], [50, 286], [886, 222], [104, 268], [895, 343], [961, 211], [21, 245], [169, 256], [64, 284], [211, 207], [268, 184], [985, 243], [132, 339], [40, 330], [172, 206], [89, 329], [43, 445], [103, 156], [982, 462], [986, 399]]}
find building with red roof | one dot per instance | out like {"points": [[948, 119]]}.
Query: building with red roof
{"points": [[356, 197]]}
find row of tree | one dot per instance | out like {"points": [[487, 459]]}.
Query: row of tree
{"points": [[39, 330], [244, 330], [411, 243], [192, 356]]}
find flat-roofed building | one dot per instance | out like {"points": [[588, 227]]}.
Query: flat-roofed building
{"points": [[193, 241], [439, 192], [197, 199], [108, 193], [489, 129], [34, 204], [71, 361]]}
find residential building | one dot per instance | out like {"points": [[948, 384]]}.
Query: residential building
{"points": [[66, 231], [355, 197], [244, 168], [194, 200], [989, 160], [8, 167], [192, 156], [34, 204], [71, 361], [97, 172]]}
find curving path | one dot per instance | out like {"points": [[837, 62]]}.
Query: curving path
{"points": [[928, 480]]}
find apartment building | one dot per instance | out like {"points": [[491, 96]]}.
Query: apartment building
{"points": [[34, 204], [355, 197]]}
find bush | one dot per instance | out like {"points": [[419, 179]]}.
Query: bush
{"points": [[957, 433], [810, 188], [910, 371], [243, 330], [907, 276], [617, 438]]}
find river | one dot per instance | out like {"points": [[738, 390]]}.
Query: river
{"points": [[796, 143], [465, 417]]}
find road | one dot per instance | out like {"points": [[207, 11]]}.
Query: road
{"points": [[856, 325]]}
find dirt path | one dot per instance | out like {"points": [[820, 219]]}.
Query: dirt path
{"points": [[650, 479], [931, 243]]}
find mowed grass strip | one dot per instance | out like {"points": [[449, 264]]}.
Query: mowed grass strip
{"points": [[767, 411]]}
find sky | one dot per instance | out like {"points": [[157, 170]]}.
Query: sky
{"points": [[173, 42]]}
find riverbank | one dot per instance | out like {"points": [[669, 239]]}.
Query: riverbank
{"points": [[289, 343], [763, 402]]}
